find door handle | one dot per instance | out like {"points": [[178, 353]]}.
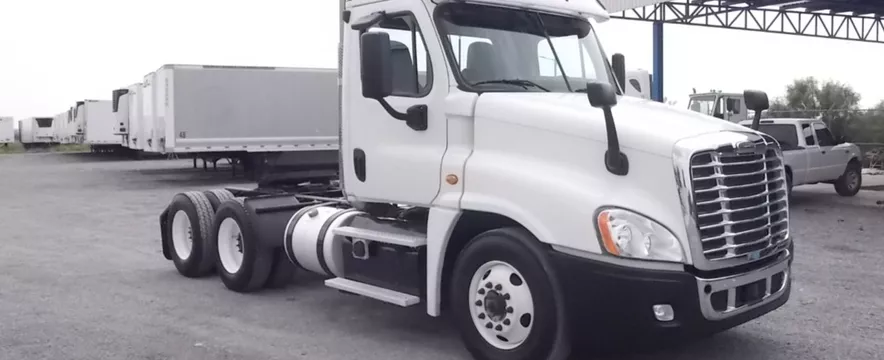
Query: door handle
{"points": [[824, 152]]}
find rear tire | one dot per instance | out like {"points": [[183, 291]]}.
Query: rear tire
{"points": [[243, 264], [518, 316], [218, 196], [191, 215], [851, 181]]}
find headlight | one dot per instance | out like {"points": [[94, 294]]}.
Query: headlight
{"points": [[627, 234]]}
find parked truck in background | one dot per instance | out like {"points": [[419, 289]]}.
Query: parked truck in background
{"points": [[726, 106], [7, 131], [542, 212], [814, 155]]}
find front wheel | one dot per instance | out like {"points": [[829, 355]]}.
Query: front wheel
{"points": [[503, 300], [851, 181]]}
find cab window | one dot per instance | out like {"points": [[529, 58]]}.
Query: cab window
{"points": [[824, 135], [808, 135], [412, 73]]}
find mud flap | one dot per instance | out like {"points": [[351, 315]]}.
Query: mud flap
{"points": [[164, 234]]}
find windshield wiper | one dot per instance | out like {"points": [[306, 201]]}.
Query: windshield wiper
{"points": [[523, 83]]}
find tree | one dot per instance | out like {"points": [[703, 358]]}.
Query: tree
{"points": [[831, 101]]}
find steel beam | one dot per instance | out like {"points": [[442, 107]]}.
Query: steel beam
{"points": [[748, 15]]}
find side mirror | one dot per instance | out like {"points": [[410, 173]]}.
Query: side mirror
{"points": [[841, 139], [377, 67], [618, 62], [756, 100], [601, 95]]}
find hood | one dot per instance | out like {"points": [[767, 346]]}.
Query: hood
{"points": [[642, 125]]}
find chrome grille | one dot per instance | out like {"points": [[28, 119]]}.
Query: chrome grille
{"points": [[740, 200]]}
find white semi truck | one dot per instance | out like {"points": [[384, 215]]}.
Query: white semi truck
{"points": [[726, 106], [531, 209], [7, 131]]}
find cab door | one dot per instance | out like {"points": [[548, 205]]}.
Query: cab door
{"points": [[832, 161], [384, 159]]}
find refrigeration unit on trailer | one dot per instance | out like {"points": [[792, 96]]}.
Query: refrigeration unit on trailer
{"points": [[233, 110], [149, 134], [98, 121], [7, 130], [59, 123], [522, 204], [638, 84], [78, 128], [37, 132], [127, 111]]}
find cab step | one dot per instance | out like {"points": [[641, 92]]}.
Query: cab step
{"points": [[374, 292], [382, 237]]}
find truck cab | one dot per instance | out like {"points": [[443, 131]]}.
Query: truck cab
{"points": [[814, 155], [726, 106], [492, 168]]}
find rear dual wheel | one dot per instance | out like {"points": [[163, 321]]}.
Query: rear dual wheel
{"points": [[191, 213], [244, 264]]}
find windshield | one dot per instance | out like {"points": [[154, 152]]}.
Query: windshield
{"points": [[702, 104], [502, 49]]}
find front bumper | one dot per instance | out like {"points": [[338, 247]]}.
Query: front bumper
{"points": [[611, 302]]}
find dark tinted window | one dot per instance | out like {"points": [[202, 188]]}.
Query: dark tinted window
{"points": [[808, 135], [785, 134], [825, 137]]}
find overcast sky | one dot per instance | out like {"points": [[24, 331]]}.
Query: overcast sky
{"points": [[56, 52]]}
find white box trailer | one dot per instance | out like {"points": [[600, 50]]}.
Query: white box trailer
{"points": [[37, 132], [7, 130], [233, 109], [98, 120]]}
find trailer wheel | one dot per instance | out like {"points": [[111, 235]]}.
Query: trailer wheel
{"points": [[242, 263], [191, 216], [218, 196], [504, 302], [282, 272]]}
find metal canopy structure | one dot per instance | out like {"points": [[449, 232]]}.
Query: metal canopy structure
{"points": [[858, 20], [854, 20]]}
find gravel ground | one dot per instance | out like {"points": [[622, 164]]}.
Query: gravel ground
{"points": [[82, 276]]}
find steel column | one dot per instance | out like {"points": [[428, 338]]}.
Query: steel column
{"points": [[657, 86]]}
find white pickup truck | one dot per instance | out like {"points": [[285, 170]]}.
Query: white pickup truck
{"points": [[813, 155]]}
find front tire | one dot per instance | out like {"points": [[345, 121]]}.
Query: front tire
{"points": [[243, 264], [851, 181], [504, 302]]}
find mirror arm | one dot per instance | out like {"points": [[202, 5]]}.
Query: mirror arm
{"points": [[615, 160], [415, 117]]}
